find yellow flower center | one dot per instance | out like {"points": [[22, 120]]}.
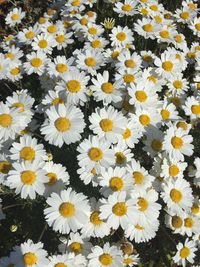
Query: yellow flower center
{"points": [[115, 54], [94, 218], [176, 195], [120, 158], [61, 68], [76, 247], [52, 29], [90, 61], [73, 86], [143, 204], [93, 171], [197, 26], [152, 79], [165, 114], [177, 222], [147, 58], [92, 31], [167, 65], [141, 96], [127, 8], [15, 71], [176, 101], [60, 38], [184, 252], [192, 5], [76, 3], [19, 105], [129, 78], [173, 170], [139, 227], [42, 20], [120, 209], [144, 11], [178, 84], [138, 177], [154, 7], [107, 88], [116, 183], [121, 36], [126, 133], [67, 209], [96, 44], [182, 124], [52, 178], [178, 38], [158, 19], [156, 145], [188, 222], [105, 259], [177, 142], [127, 261], [144, 119], [195, 109], [5, 167], [56, 101], [185, 15], [10, 56], [83, 21], [43, 43], [28, 177], [62, 124], [164, 34], [148, 27], [60, 264], [95, 154], [36, 62], [30, 259], [191, 55], [27, 153], [106, 125], [195, 208], [5, 120], [129, 63], [15, 17]]}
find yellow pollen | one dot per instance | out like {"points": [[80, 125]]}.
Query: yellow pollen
{"points": [[120, 209], [76, 3], [90, 62], [90, 14], [197, 26], [177, 142], [158, 19], [62, 124], [10, 56], [138, 177], [195, 109], [27, 153], [144, 11], [73, 86], [28, 177], [148, 27], [52, 178], [67, 209], [94, 218], [15, 71], [60, 38], [129, 78], [182, 124], [139, 227], [52, 29], [115, 54], [5, 120], [195, 207], [156, 145], [127, 8], [15, 17], [19, 105], [61, 68], [126, 133], [141, 96], [60, 264], [116, 183], [191, 55], [105, 259], [127, 261], [83, 21], [143, 204], [152, 79], [173, 170], [154, 7], [167, 65], [92, 31], [165, 114], [120, 158], [5, 167], [106, 125], [36, 62], [76, 247], [30, 259], [107, 88], [188, 222], [164, 34], [184, 252], [176, 195], [95, 154], [178, 38], [93, 171], [96, 44], [178, 84], [130, 63], [144, 119], [192, 5], [147, 58], [177, 222], [42, 20], [121, 36], [43, 43], [56, 101], [185, 15]]}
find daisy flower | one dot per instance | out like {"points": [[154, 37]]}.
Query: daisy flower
{"points": [[95, 153], [168, 112], [14, 17], [63, 125], [36, 62], [107, 123], [63, 39], [128, 60], [26, 36], [27, 178], [177, 194], [131, 260], [30, 254], [121, 36], [14, 71], [177, 85], [173, 168], [127, 8], [68, 211], [192, 107], [105, 90], [96, 43], [78, 244], [92, 30], [185, 252], [52, 98], [88, 176], [109, 256], [146, 28], [59, 67], [153, 141], [177, 143], [43, 43], [184, 15], [60, 260], [123, 154], [194, 25]]}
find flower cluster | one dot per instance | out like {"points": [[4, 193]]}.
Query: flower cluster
{"points": [[121, 95]]}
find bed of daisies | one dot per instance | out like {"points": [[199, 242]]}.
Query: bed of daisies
{"points": [[99, 134]]}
